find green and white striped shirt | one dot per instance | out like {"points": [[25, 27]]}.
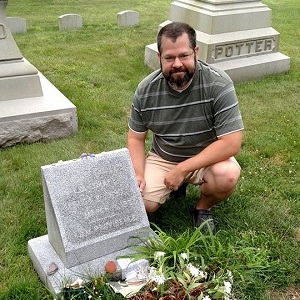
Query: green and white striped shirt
{"points": [[184, 123]]}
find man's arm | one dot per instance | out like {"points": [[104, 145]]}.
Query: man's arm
{"points": [[136, 147], [220, 150]]}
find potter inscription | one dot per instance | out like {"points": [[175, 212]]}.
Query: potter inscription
{"points": [[245, 48]]}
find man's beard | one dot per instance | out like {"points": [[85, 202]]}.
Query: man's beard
{"points": [[182, 80]]}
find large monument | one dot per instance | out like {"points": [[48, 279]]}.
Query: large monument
{"points": [[31, 108], [234, 35]]}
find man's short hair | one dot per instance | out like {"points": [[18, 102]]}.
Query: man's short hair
{"points": [[175, 30]]}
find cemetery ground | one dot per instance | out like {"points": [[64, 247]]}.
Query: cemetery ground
{"points": [[98, 68]]}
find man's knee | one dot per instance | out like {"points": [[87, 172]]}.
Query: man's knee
{"points": [[225, 175], [151, 206], [231, 176]]}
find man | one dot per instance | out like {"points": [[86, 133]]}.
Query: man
{"points": [[193, 113]]}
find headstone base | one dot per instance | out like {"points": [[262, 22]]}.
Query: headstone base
{"points": [[40, 118], [255, 67], [43, 254]]}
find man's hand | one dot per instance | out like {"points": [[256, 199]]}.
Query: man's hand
{"points": [[136, 147], [141, 183], [174, 179]]}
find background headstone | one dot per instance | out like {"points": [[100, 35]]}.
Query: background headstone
{"points": [[70, 22], [94, 213], [128, 18], [16, 25], [31, 108], [234, 35]]}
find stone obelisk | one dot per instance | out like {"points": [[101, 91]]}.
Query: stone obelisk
{"points": [[31, 108], [234, 35]]}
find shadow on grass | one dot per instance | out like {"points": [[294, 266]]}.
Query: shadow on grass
{"points": [[175, 214]]}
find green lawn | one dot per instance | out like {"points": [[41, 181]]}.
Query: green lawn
{"points": [[98, 68]]}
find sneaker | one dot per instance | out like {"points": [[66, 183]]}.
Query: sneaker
{"points": [[204, 217], [181, 192]]}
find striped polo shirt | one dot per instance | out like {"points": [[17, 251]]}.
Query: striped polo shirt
{"points": [[184, 123]]}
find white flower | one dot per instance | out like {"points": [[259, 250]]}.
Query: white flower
{"points": [[227, 287], [153, 276], [184, 256], [206, 298], [159, 254], [193, 270], [151, 273], [156, 276], [77, 283], [230, 276], [159, 279], [202, 274]]}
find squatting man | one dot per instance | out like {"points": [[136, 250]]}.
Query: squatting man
{"points": [[193, 112]]}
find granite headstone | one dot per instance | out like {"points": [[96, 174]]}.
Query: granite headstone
{"points": [[128, 18], [16, 24], [94, 213], [70, 22]]}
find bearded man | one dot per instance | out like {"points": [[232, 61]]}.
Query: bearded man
{"points": [[193, 112]]}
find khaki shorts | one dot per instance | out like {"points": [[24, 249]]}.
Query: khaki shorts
{"points": [[155, 170]]}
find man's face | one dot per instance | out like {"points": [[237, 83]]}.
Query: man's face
{"points": [[178, 61]]}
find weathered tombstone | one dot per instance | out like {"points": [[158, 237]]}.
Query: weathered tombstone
{"points": [[94, 212], [31, 108], [16, 25], [234, 35], [128, 18], [70, 22]]}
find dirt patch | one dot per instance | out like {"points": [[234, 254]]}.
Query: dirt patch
{"points": [[292, 293], [297, 234]]}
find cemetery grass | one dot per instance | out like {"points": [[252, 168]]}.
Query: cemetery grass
{"points": [[98, 68]]}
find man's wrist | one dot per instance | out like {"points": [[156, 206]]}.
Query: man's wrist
{"points": [[183, 169]]}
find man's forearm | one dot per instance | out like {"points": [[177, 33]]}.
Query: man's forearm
{"points": [[136, 149], [218, 151]]}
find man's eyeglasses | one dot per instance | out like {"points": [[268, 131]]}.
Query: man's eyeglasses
{"points": [[181, 57]]}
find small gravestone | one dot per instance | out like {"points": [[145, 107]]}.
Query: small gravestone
{"points": [[70, 22], [16, 25], [128, 18], [94, 213]]}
